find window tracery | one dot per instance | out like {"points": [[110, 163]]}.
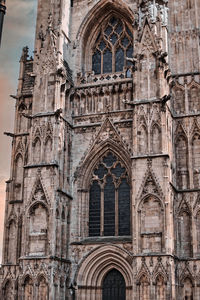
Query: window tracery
{"points": [[109, 203], [113, 44]]}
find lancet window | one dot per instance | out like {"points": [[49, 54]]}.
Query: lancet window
{"points": [[113, 44], [109, 203]]}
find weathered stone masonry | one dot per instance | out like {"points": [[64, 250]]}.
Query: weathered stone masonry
{"points": [[103, 200]]}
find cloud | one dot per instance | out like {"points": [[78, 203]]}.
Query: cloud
{"points": [[18, 31]]}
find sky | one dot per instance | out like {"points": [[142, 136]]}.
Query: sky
{"points": [[18, 31]]}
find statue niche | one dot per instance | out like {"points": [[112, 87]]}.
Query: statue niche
{"points": [[38, 226]]}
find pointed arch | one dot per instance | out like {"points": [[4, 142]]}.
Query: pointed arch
{"points": [[94, 267], [196, 159], [93, 22], [193, 96], [143, 287], [151, 224], [42, 293], [7, 290], [150, 185], [197, 225], [36, 150], [179, 98], [114, 286], [19, 171], [48, 149], [28, 288], [37, 228], [92, 158], [11, 241], [187, 288], [181, 153], [142, 139], [109, 198], [184, 233], [22, 121], [156, 142], [160, 287], [38, 194]]}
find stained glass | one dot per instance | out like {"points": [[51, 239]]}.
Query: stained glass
{"points": [[109, 174], [129, 53], [113, 38], [108, 41], [94, 209], [109, 159], [108, 30], [119, 60], [109, 207], [125, 42], [118, 170], [96, 62], [101, 171], [124, 208], [107, 61], [102, 45], [113, 21], [119, 28]]}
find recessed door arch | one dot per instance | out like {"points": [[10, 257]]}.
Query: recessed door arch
{"points": [[114, 286]]}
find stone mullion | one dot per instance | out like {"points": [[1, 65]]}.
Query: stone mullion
{"points": [[101, 62], [149, 136], [27, 236], [134, 214], [164, 132], [189, 165], [139, 225], [193, 235], [116, 212], [102, 213], [113, 59]]}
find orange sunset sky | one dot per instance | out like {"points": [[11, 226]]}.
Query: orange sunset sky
{"points": [[18, 31]]}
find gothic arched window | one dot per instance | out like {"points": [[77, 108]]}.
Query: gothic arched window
{"points": [[109, 204], [113, 44]]}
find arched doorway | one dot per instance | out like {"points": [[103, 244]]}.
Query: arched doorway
{"points": [[114, 287]]}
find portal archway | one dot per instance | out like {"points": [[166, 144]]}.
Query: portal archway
{"points": [[105, 263]]}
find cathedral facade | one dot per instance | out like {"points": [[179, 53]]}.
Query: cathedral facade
{"points": [[103, 200]]}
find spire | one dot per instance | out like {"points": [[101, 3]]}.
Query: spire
{"points": [[2, 13]]}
